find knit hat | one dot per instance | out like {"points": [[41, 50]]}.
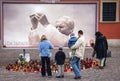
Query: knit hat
{"points": [[60, 47], [72, 34]]}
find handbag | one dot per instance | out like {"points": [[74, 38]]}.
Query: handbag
{"points": [[109, 54], [70, 55], [50, 55]]}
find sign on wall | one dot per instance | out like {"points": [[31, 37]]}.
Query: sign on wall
{"points": [[23, 24]]}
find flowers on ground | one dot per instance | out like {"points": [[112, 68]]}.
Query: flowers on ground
{"points": [[35, 66]]}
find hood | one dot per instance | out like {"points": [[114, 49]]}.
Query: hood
{"points": [[73, 39]]}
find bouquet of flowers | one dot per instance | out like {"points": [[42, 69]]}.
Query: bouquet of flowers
{"points": [[21, 59]]}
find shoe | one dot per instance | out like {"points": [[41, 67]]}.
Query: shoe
{"points": [[43, 75], [101, 67], [58, 76], [104, 65], [77, 77], [49, 76], [62, 76]]}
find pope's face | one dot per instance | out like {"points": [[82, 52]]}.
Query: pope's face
{"points": [[63, 27]]}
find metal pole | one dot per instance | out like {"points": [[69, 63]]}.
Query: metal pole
{"points": [[24, 52]]}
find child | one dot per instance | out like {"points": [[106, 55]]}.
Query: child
{"points": [[71, 42], [60, 59]]}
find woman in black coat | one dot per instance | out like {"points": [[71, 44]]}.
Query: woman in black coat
{"points": [[100, 48]]}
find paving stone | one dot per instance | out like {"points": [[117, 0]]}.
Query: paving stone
{"points": [[110, 73]]}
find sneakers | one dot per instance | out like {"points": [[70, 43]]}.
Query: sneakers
{"points": [[43, 75], [49, 76], [101, 67], [60, 76], [77, 77]]}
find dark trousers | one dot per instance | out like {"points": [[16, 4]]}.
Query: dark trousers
{"points": [[46, 61], [105, 62]]}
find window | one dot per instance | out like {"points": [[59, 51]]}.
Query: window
{"points": [[109, 11]]}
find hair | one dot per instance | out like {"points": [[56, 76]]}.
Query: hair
{"points": [[60, 48], [72, 34], [98, 34], [69, 21], [80, 32], [43, 37]]}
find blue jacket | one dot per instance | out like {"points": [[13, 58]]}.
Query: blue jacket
{"points": [[44, 48], [72, 41]]}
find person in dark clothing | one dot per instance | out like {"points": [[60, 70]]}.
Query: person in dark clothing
{"points": [[60, 59], [101, 47]]}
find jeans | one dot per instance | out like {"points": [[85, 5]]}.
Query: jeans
{"points": [[60, 70], [46, 61], [75, 62]]}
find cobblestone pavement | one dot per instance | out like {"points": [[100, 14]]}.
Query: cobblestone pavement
{"points": [[110, 73]]}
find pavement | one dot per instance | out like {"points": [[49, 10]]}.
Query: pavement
{"points": [[110, 73]]}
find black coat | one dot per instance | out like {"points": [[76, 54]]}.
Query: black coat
{"points": [[60, 57], [101, 47]]}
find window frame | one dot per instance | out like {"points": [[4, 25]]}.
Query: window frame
{"points": [[117, 11]]}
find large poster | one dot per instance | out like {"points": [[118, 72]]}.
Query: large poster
{"points": [[24, 23]]}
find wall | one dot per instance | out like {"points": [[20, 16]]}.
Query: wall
{"points": [[110, 30]]}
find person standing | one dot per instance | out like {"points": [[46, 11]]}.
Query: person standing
{"points": [[71, 42], [60, 59], [101, 47], [79, 48], [44, 49]]}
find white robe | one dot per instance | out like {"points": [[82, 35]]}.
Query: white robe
{"points": [[53, 35]]}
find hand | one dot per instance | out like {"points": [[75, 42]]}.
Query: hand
{"points": [[34, 21], [34, 38], [93, 54], [42, 18]]}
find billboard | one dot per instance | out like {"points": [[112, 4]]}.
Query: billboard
{"points": [[24, 23]]}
